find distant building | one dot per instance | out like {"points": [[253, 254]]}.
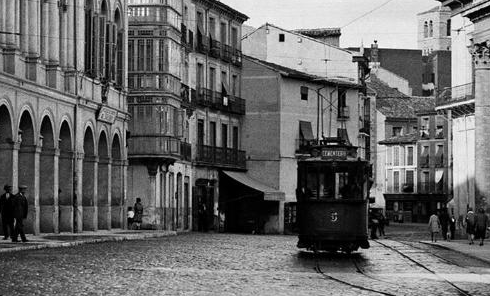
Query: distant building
{"points": [[63, 119], [287, 103], [300, 52], [326, 35], [458, 104], [434, 30], [417, 170]]}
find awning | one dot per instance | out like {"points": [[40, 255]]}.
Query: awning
{"points": [[269, 193], [306, 130]]}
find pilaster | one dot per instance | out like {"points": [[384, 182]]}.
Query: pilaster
{"points": [[481, 58]]}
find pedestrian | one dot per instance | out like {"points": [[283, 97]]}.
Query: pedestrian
{"points": [[470, 225], [373, 223], [381, 224], [19, 209], [444, 219], [6, 212], [138, 213], [481, 224], [130, 217], [452, 226], [434, 226]]}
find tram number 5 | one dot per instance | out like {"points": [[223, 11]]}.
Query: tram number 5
{"points": [[334, 217]]}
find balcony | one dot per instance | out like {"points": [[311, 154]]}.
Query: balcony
{"points": [[186, 149], [220, 156], [236, 57], [343, 113], [202, 45], [424, 161], [365, 126], [226, 53], [457, 94], [157, 146], [215, 48], [431, 187], [209, 98]]}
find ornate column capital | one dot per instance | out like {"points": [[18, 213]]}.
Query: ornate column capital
{"points": [[481, 55]]}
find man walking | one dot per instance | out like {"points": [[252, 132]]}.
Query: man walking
{"points": [[6, 212], [19, 208], [444, 219]]}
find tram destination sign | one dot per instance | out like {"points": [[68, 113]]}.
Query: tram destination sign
{"points": [[334, 153]]}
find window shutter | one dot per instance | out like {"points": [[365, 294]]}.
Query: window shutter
{"points": [[88, 42], [108, 50]]}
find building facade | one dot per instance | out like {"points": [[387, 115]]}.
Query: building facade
{"points": [[63, 111], [159, 149], [457, 103]]}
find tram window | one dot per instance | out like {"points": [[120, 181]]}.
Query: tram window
{"points": [[348, 186], [327, 184], [312, 185]]}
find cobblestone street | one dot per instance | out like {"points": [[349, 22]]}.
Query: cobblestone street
{"points": [[227, 264]]}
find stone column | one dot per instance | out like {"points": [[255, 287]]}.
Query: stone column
{"points": [[65, 200], [70, 32], [10, 22], [151, 214], [33, 28], [117, 201], [3, 9], [63, 39], [481, 57], [103, 188], [89, 196], [54, 32], [78, 193], [45, 44]]}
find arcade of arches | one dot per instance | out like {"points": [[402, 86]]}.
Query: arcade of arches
{"points": [[68, 191]]}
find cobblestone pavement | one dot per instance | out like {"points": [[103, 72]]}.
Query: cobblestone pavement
{"points": [[228, 264]]}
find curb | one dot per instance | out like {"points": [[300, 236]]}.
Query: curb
{"points": [[114, 238], [457, 251]]}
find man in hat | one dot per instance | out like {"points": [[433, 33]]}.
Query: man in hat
{"points": [[19, 208], [6, 212]]}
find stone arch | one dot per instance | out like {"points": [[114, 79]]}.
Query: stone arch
{"points": [[6, 145], [103, 182], [89, 186], [66, 202], [104, 8], [117, 197], [46, 176], [26, 166]]}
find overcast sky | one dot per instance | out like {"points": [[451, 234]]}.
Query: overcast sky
{"points": [[394, 24]]}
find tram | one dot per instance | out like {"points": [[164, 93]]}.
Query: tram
{"points": [[332, 197]]}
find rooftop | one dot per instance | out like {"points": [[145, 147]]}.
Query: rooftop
{"points": [[292, 73], [319, 32], [435, 9], [383, 90], [402, 139]]}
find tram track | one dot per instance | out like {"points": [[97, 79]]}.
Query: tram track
{"points": [[460, 291], [360, 270]]}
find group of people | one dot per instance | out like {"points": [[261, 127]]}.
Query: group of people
{"points": [[476, 225], [13, 209], [135, 215]]}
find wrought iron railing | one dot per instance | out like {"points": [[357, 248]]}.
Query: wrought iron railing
{"points": [[456, 94], [220, 156]]}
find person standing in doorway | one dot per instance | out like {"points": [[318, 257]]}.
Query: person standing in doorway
{"points": [[434, 226], [444, 219], [130, 218], [481, 224], [470, 225], [452, 227], [6, 212], [138, 213], [20, 209]]}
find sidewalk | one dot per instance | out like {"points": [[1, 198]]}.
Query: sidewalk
{"points": [[53, 240], [462, 246]]}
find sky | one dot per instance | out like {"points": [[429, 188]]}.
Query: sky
{"points": [[393, 22]]}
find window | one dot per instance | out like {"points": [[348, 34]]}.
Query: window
{"points": [[431, 29], [234, 85], [212, 78], [222, 32], [212, 27], [409, 155], [281, 37], [397, 131], [424, 128], [426, 30], [432, 77], [234, 37], [89, 36], [200, 75], [149, 55], [440, 156], [425, 181], [304, 93], [448, 27], [396, 181], [212, 134], [200, 132], [141, 55], [396, 156], [235, 137], [162, 58], [131, 55], [224, 135], [408, 181], [342, 103], [424, 157]]}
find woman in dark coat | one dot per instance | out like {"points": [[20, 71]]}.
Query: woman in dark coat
{"points": [[138, 213], [481, 224]]}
